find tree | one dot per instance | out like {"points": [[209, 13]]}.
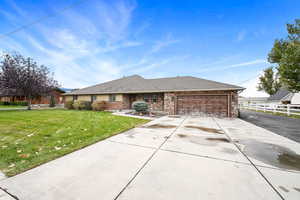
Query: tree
{"points": [[269, 82], [286, 54], [52, 101], [24, 77]]}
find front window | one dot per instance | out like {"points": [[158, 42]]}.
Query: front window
{"points": [[93, 98], [154, 98], [75, 97], [112, 97], [146, 98]]}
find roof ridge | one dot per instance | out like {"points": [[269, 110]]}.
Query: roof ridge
{"points": [[124, 77], [136, 83]]}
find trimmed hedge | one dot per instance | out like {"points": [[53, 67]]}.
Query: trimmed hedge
{"points": [[140, 106], [14, 103], [82, 105], [69, 104], [99, 105]]}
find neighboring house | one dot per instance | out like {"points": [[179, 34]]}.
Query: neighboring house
{"points": [[175, 95], [252, 100], [284, 96], [56, 93]]}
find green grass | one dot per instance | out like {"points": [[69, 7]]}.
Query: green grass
{"points": [[30, 138], [278, 114], [11, 106]]}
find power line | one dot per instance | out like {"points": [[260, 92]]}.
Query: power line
{"points": [[42, 19]]}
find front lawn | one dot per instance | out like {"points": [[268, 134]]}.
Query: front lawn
{"points": [[30, 138]]}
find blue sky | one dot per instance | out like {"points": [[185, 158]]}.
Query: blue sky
{"points": [[97, 41]]}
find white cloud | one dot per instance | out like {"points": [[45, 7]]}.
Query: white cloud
{"points": [[77, 51], [243, 64], [16, 8], [167, 41], [115, 18], [144, 66], [251, 88], [83, 51], [241, 35]]}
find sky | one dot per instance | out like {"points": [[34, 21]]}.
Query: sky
{"points": [[86, 42]]}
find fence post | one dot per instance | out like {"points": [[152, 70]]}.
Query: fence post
{"points": [[274, 108], [288, 109], [255, 107], [264, 105]]}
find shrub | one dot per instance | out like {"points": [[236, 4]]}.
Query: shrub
{"points": [[140, 106], [14, 103], [23, 103], [99, 105], [69, 104], [82, 105], [6, 103]]}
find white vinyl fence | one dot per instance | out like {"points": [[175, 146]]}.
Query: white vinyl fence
{"points": [[289, 109]]}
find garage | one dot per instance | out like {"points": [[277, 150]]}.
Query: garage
{"points": [[208, 105]]}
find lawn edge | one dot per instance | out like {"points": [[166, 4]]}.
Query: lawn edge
{"points": [[117, 133]]}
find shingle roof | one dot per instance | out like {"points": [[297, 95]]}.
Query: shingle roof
{"points": [[279, 95], [138, 84]]}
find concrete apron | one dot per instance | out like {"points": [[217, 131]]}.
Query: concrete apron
{"points": [[168, 158]]}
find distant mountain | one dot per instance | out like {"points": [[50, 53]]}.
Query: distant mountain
{"points": [[67, 89]]}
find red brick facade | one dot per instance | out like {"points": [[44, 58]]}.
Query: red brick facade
{"points": [[116, 105], [213, 103], [154, 100], [170, 103], [38, 100]]}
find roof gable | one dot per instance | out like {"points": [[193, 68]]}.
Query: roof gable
{"points": [[279, 95]]}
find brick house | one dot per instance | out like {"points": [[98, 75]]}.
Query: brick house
{"points": [[174, 95], [56, 93]]}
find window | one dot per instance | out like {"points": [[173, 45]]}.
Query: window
{"points": [[154, 98], [93, 98], [112, 97], [146, 98], [75, 97]]}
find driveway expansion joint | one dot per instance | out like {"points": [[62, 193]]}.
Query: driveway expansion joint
{"points": [[279, 169], [148, 160], [9, 194], [136, 145], [201, 156], [263, 176]]}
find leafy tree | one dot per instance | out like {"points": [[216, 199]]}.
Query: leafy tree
{"points": [[269, 82], [24, 77], [286, 54], [52, 101]]}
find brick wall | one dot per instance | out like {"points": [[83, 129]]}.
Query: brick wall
{"points": [[170, 103], [116, 105], [154, 106], [234, 104]]}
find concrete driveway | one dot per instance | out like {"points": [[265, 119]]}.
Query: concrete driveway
{"points": [[171, 158]]}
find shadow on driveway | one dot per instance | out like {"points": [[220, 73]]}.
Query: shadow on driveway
{"points": [[284, 126]]}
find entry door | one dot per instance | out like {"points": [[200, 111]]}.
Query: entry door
{"points": [[132, 98]]}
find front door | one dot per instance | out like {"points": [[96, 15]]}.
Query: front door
{"points": [[132, 98]]}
